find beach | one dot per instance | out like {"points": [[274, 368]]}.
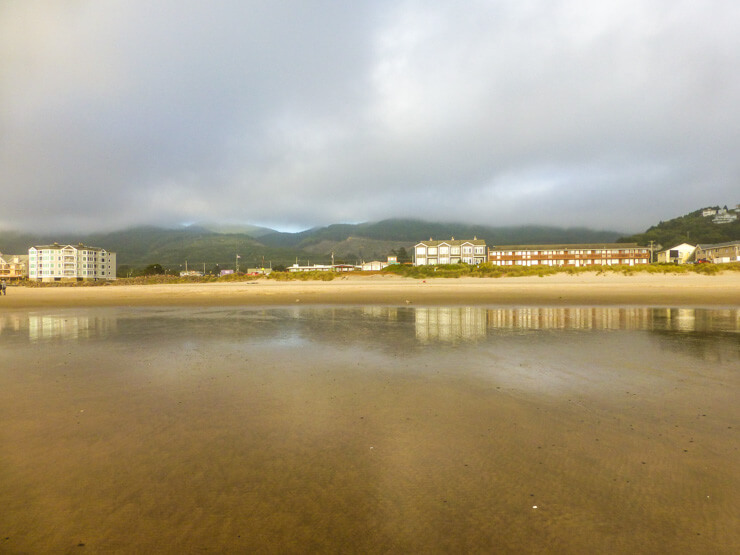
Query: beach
{"points": [[378, 289], [368, 429], [372, 413]]}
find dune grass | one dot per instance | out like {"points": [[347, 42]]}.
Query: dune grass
{"points": [[416, 272]]}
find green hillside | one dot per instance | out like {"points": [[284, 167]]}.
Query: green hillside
{"points": [[412, 231], [692, 228], [197, 246]]}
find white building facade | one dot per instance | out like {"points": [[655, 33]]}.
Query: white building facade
{"points": [[450, 251], [70, 263], [680, 254]]}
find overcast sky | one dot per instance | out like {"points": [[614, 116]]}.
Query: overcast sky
{"points": [[295, 114]]}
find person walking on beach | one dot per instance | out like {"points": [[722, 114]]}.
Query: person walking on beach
{"points": [[2, 288]]}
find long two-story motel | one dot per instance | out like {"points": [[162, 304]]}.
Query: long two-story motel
{"points": [[475, 251]]}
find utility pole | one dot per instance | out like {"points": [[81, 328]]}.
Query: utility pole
{"points": [[651, 251]]}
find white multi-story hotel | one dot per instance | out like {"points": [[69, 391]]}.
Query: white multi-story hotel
{"points": [[67, 262], [450, 251]]}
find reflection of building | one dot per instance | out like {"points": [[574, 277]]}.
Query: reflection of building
{"points": [[569, 255], [467, 323], [66, 262], [12, 322], [719, 252], [452, 251], [389, 313], [450, 324], [48, 326], [13, 267], [680, 254], [559, 318]]}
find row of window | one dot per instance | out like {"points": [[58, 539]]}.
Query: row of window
{"points": [[449, 250], [42, 265], [561, 262], [605, 252], [435, 261]]}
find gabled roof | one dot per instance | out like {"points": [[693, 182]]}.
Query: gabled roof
{"points": [[676, 247], [453, 242], [704, 246], [57, 246]]}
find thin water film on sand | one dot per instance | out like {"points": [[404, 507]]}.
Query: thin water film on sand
{"points": [[373, 429]]}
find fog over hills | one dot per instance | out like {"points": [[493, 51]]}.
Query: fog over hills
{"points": [[212, 245]]}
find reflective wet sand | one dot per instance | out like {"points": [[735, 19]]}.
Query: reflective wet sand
{"points": [[370, 429]]}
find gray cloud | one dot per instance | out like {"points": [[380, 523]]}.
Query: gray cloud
{"points": [[293, 115]]}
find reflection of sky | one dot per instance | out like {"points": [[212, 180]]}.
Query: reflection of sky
{"points": [[388, 328]]}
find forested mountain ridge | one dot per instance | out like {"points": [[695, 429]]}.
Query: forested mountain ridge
{"points": [[197, 245]]}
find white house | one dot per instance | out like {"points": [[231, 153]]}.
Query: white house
{"points": [[67, 262], [724, 216], [450, 251], [680, 254], [377, 265]]}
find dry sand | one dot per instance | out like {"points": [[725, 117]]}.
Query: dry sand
{"points": [[559, 289]]}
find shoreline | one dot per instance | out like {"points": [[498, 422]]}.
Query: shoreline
{"points": [[559, 290]]}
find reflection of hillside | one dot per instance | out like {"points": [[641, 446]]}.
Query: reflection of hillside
{"points": [[711, 347]]}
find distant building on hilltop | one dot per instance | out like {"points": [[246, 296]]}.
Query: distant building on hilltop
{"points": [[708, 212], [57, 262], [450, 251], [602, 254], [724, 216]]}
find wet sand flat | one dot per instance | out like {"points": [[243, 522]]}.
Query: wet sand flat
{"points": [[586, 289], [366, 430]]}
